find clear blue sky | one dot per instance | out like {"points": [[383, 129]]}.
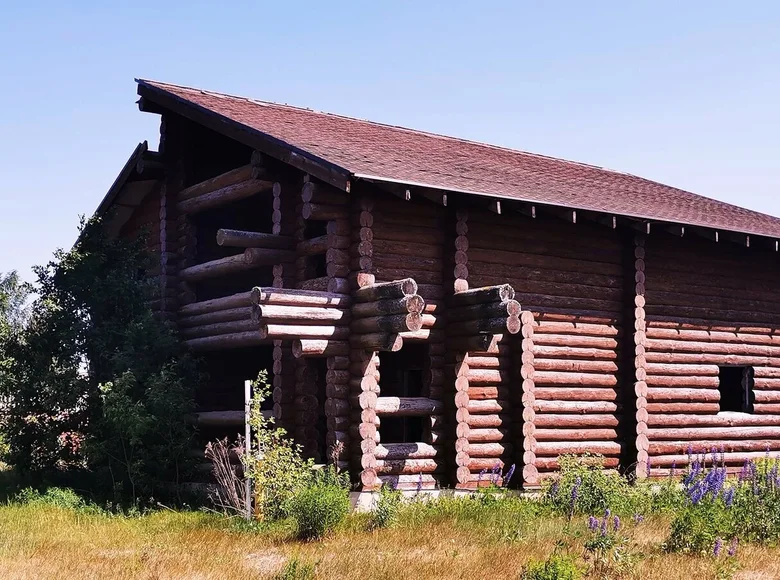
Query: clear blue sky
{"points": [[686, 93]]}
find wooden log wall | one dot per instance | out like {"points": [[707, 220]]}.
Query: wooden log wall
{"points": [[322, 264], [396, 260], [709, 305], [570, 280]]}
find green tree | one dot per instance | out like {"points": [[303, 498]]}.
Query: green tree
{"points": [[98, 382], [13, 300]]}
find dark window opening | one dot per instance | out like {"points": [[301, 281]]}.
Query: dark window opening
{"points": [[317, 266], [401, 373], [735, 385], [401, 429], [314, 229]]}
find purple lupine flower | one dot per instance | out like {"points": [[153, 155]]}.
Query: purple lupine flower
{"points": [[575, 490], [554, 488], [509, 474], [728, 497], [593, 523], [647, 468], [672, 473], [481, 475], [638, 518], [616, 523], [419, 483], [723, 456], [690, 453], [743, 474], [495, 473], [604, 527], [732, 551], [717, 547]]}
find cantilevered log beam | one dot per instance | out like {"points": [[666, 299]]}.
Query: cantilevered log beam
{"points": [[245, 239], [251, 258], [227, 194]]}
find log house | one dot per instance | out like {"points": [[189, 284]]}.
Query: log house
{"points": [[444, 308]]}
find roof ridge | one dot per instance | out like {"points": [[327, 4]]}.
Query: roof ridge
{"points": [[442, 136]]}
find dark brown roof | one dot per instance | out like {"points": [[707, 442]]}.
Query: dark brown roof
{"points": [[372, 150]]}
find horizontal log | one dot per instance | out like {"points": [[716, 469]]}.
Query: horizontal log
{"points": [[386, 290], [324, 348], [556, 448], [662, 369], [678, 381], [488, 407], [711, 336], [424, 335], [408, 304], [245, 239], [725, 445], [575, 421], [313, 246], [565, 378], [222, 418], [510, 324], [574, 366], [487, 435], [409, 482], [568, 352], [576, 328], [227, 315], [226, 341], [582, 341], [737, 459], [576, 394], [580, 434], [302, 331], [242, 299], [484, 310], [700, 358], [223, 195], [323, 212], [267, 257], [392, 323], [291, 297], [714, 433], [516, 258], [302, 314], [701, 395], [723, 419], [408, 466], [407, 451], [575, 407], [488, 449], [231, 177], [488, 420], [489, 294], [216, 268], [407, 406], [377, 342], [229, 327], [703, 408]]}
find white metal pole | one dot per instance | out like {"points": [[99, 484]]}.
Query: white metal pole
{"points": [[247, 446]]}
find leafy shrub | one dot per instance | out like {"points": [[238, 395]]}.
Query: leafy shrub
{"points": [[556, 567], [321, 505], [584, 487], [275, 464], [747, 510], [386, 508], [59, 497], [297, 569], [97, 383]]}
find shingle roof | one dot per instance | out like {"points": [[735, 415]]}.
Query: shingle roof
{"points": [[383, 152]]}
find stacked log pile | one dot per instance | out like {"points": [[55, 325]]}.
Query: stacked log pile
{"points": [[692, 330], [220, 323]]}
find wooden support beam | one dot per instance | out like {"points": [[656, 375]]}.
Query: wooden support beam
{"points": [[527, 209], [676, 229], [713, 235], [435, 196], [245, 239], [495, 206]]}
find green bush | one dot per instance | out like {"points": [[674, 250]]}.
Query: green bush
{"points": [[59, 497], [585, 487], [386, 509], [297, 569], [320, 506], [556, 567]]}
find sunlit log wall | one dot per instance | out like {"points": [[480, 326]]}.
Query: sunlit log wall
{"points": [[710, 306], [571, 278]]}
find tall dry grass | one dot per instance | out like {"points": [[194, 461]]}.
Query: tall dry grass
{"points": [[49, 542]]}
